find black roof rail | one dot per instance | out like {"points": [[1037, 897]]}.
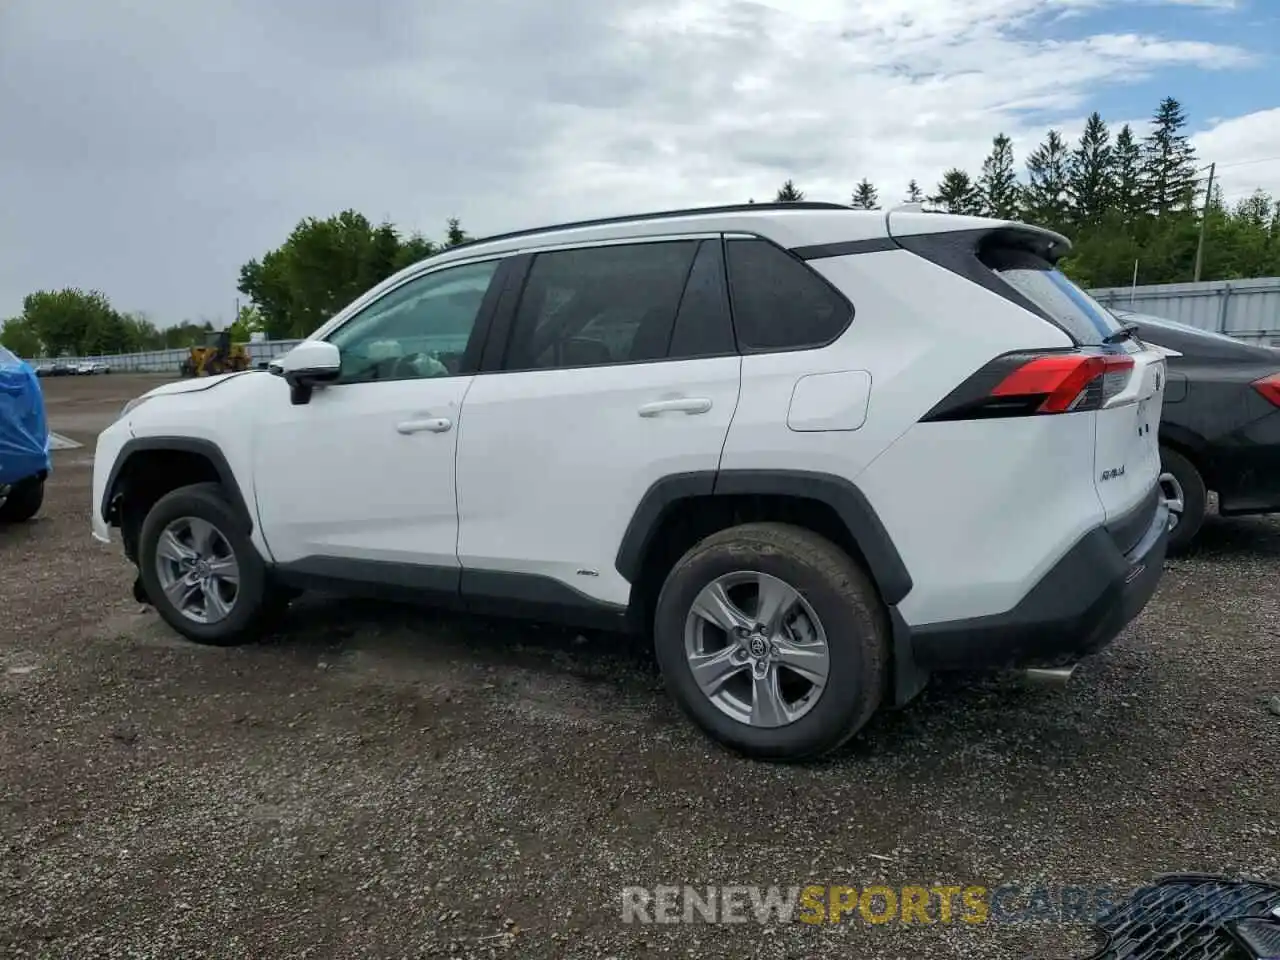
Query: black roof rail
{"points": [[657, 215]]}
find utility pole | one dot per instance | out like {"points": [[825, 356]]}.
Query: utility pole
{"points": [[1204, 220]]}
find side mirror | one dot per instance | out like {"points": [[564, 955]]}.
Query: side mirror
{"points": [[309, 364]]}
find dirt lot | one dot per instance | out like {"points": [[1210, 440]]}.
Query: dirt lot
{"points": [[390, 783]]}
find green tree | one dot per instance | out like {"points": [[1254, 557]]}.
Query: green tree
{"points": [[186, 334], [141, 332], [454, 234], [914, 193], [247, 323], [416, 248], [75, 322], [957, 193], [1126, 175], [1090, 173], [998, 184], [1045, 195], [1168, 161], [321, 267], [20, 336], [865, 196], [788, 193]]}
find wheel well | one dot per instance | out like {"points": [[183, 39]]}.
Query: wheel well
{"points": [[691, 519], [146, 477]]}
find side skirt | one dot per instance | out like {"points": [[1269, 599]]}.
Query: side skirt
{"points": [[493, 593]]}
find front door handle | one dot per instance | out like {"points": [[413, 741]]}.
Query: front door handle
{"points": [[690, 405], [430, 424]]}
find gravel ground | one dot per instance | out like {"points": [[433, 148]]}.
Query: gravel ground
{"points": [[392, 783]]}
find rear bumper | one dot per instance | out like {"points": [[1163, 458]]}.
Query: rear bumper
{"points": [[1076, 609]]}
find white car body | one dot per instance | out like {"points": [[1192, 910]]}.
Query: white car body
{"points": [[525, 485]]}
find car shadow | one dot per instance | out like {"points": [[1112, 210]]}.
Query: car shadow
{"points": [[319, 623], [1225, 537], [970, 715]]}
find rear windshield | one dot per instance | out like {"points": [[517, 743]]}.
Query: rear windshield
{"points": [[1088, 321]]}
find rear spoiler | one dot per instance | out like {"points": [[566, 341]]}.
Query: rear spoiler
{"points": [[943, 238], [907, 224]]}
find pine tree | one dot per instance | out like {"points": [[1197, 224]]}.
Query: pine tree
{"points": [[788, 193], [1045, 195], [454, 233], [998, 183], [1126, 175], [957, 193], [1089, 173], [865, 196], [914, 193], [1168, 161]]}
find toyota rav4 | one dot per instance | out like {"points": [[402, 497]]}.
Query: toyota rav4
{"points": [[815, 453]]}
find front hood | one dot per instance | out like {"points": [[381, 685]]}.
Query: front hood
{"points": [[194, 386]]}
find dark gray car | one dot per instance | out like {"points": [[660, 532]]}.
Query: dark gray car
{"points": [[1220, 429]]}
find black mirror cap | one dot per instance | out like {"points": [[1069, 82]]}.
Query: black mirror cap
{"points": [[303, 382]]}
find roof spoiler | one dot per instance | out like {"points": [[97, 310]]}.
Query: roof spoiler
{"points": [[913, 220]]}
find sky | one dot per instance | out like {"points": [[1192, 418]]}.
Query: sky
{"points": [[148, 148]]}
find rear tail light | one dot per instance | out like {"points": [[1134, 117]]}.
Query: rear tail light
{"points": [[1269, 387], [1022, 384]]}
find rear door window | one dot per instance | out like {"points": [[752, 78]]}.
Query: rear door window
{"points": [[622, 303], [1086, 320], [600, 305]]}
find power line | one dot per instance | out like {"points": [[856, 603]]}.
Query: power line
{"points": [[1238, 163], [1242, 163]]}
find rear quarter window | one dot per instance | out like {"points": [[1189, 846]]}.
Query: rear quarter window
{"points": [[779, 303]]}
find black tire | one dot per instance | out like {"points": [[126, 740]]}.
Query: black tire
{"points": [[843, 599], [1195, 498], [23, 502], [257, 606]]}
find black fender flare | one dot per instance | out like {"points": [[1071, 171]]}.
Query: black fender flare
{"points": [[193, 445], [884, 563]]}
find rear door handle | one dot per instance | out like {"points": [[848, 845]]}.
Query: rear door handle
{"points": [[690, 405], [429, 424]]}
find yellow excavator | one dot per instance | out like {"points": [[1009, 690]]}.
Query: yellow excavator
{"points": [[217, 355]]}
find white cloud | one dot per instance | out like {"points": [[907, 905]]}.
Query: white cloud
{"points": [[151, 153], [1246, 150]]}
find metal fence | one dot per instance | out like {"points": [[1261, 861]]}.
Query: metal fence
{"points": [[168, 361], [1245, 309]]}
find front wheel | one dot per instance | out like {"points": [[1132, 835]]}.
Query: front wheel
{"points": [[23, 501], [200, 570], [772, 639], [1184, 491]]}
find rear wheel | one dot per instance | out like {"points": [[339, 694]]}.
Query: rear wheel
{"points": [[1184, 490], [200, 570], [772, 640], [23, 501]]}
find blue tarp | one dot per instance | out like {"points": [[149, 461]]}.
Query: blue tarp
{"points": [[24, 434]]}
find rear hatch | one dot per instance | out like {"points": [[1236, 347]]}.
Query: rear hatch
{"points": [[1127, 423], [1107, 374]]}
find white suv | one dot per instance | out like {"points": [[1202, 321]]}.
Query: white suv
{"points": [[815, 452]]}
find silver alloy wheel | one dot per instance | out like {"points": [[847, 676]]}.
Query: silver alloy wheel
{"points": [[197, 569], [756, 649], [1171, 490]]}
